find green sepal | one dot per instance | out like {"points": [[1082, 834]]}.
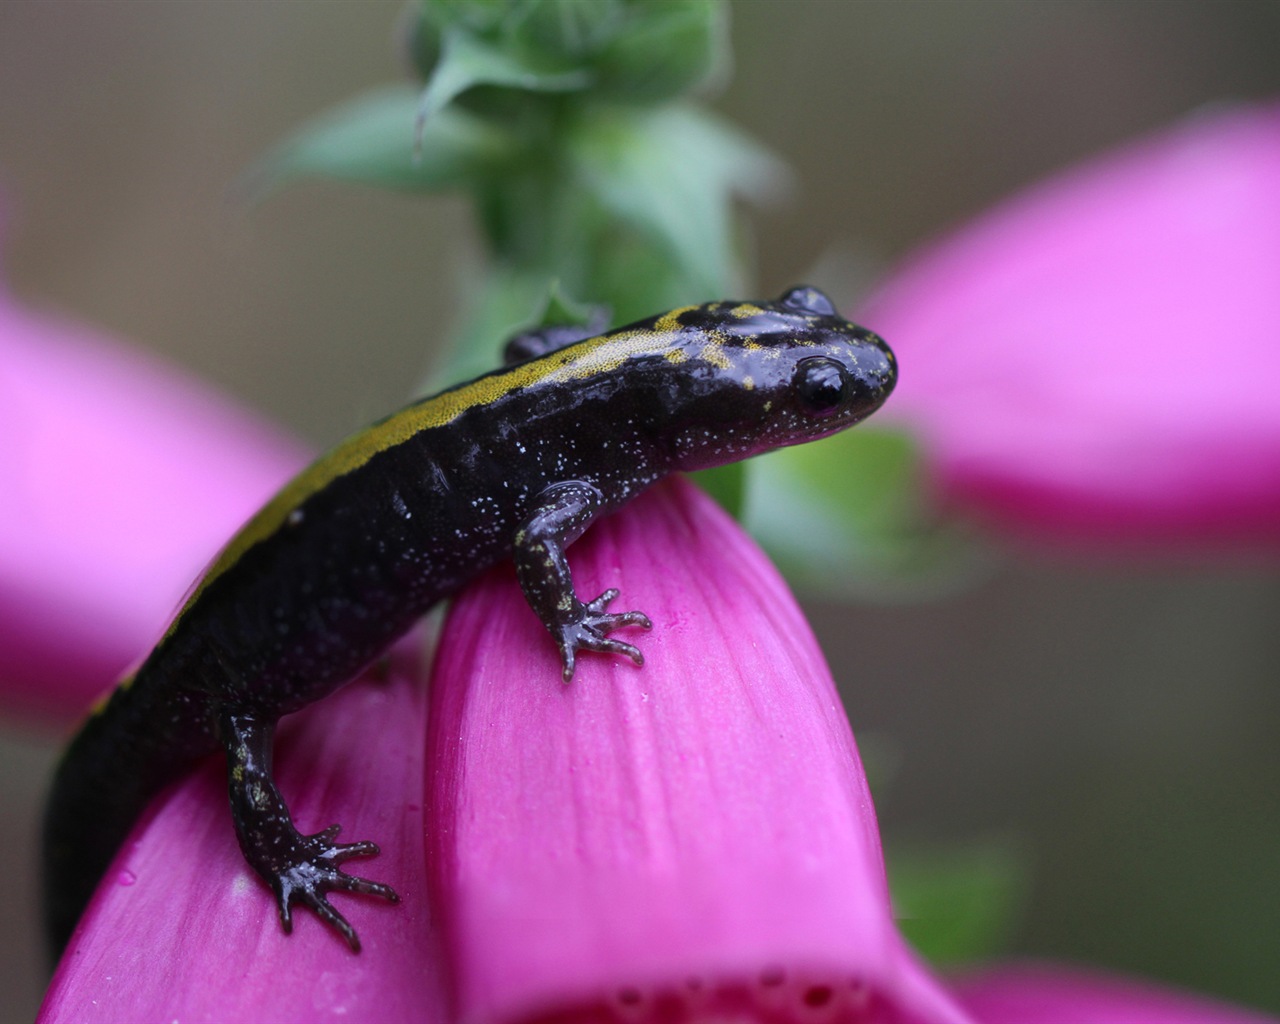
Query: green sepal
{"points": [[635, 51], [957, 904], [561, 309], [672, 174], [370, 140], [511, 299], [667, 48], [482, 17], [563, 32], [508, 301], [851, 516], [467, 61], [567, 30]]}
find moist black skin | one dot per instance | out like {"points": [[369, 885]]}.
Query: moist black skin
{"points": [[515, 464]]}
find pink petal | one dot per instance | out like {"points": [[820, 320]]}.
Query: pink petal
{"points": [[1097, 359], [689, 839], [1054, 994], [188, 932], [120, 479]]}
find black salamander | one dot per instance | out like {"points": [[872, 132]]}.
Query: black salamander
{"points": [[515, 464]]}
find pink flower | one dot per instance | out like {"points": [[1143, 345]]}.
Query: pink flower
{"points": [[690, 841], [1053, 994], [120, 479], [1096, 361]]}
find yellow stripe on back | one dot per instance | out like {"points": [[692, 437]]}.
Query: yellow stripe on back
{"points": [[581, 361], [671, 321]]}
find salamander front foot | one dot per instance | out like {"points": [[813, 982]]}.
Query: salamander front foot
{"points": [[309, 868], [588, 630]]}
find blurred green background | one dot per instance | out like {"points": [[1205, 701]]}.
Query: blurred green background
{"points": [[1120, 723]]}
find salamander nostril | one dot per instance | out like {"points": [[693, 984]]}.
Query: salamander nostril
{"points": [[876, 371]]}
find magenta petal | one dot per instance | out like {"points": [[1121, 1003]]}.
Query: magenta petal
{"points": [[1097, 359], [187, 932], [119, 479], [1054, 994], [694, 837]]}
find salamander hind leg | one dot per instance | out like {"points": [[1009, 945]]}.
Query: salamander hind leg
{"points": [[300, 869], [562, 512]]}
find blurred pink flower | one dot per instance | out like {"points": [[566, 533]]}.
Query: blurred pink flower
{"points": [[1097, 360], [119, 479], [1053, 994]]}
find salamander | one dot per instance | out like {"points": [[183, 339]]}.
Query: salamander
{"points": [[349, 554]]}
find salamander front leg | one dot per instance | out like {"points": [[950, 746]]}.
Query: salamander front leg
{"points": [[563, 512], [299, 869]]}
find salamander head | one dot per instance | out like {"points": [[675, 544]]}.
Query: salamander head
{"points": [[760, 376]]}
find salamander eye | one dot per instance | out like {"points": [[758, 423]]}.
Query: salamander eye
{"points": [[804, 299], [820, 382]]}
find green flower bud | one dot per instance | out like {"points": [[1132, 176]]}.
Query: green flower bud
{"points": [[666, 48]]}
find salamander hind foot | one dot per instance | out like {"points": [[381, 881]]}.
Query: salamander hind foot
{"points": [[301, 869]]}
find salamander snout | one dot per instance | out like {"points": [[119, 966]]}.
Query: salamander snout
{"points": [[873, 372]]}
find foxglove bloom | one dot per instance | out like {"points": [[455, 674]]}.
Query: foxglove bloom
{"points": [[1052, 994], [690, 841], [1096, 361]]}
